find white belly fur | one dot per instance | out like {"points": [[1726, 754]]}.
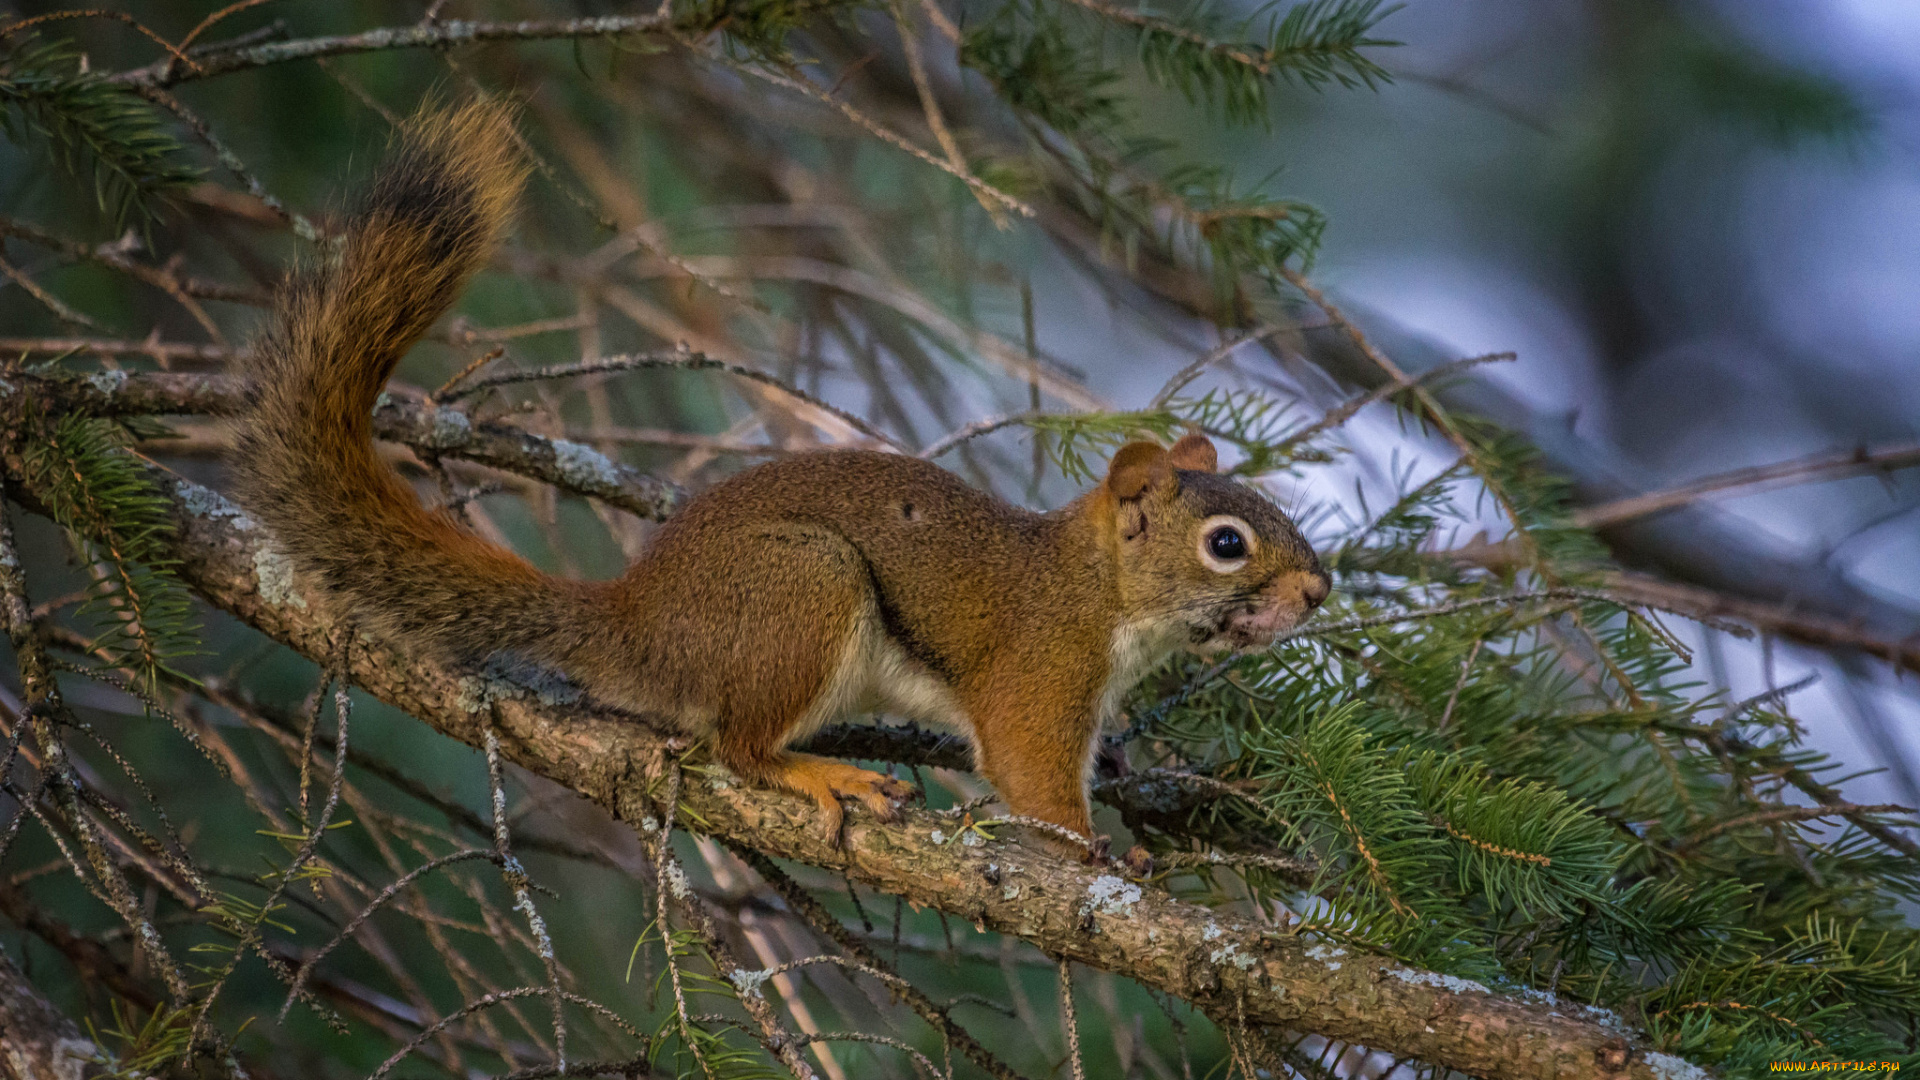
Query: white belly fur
{"points": [[876, 674]]}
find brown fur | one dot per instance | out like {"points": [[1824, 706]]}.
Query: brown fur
{"points": [[812, 587]]}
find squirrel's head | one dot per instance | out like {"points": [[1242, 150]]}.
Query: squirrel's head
{"points": [[1204, 552]]}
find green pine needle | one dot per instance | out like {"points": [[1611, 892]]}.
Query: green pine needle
{"points": [[94, 129], [99, 492]]}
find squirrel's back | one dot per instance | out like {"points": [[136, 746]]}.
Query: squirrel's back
{"points": [[304, 455]]}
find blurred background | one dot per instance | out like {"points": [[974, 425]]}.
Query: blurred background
{"points": [[1695, 223]]}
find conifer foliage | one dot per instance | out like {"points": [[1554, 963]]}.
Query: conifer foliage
{"points": [[767, 225]]}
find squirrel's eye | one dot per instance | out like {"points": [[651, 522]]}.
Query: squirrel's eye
{"points": [[1227, 544]]}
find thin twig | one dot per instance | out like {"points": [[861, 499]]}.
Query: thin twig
{"points": [[979, 187], [923, 85], [678, 359], [1466, 667], [1346, 410], [1213, 356], [1788, 813], [47, 300], [521, 885], [1071, 1019], [823, 923], [393, 889], [975, 430], [1832, 465], [431, 36]]}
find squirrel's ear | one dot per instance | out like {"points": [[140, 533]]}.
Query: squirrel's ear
{"points": [[1194, 453], [1136, 467]]}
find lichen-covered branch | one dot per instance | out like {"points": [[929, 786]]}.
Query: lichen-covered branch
{"points": [[443, 432]]}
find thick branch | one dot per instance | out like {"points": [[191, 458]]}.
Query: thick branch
{"points": [[442, 432], [1228, 964], [37, 1041]]}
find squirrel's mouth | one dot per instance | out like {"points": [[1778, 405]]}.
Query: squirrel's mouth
{"points": [[1278, 609]]}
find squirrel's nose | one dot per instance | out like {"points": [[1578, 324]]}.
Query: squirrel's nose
{"points": [[1314, 592]]}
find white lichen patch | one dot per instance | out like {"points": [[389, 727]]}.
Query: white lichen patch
{"points": [[449, 428], [1668, 1067], [385, 399], [1606, 1018], [971, 838], [1452, 984], [677, 881], [273, 574], [1110, 895], [1326, 954], [107, 382], [649, 824], [6, 388], [748, 983], [1211, 932], [204, 502], [1010, 892], [937, 836], [584, 467], [1231, 954], [474, 694]]}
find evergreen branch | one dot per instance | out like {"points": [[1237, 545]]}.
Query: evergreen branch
{"points": [[45, 707], [1316, 42], [1455, 607], [92, 126], [102, 497]]}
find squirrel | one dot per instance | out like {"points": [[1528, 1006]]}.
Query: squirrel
{"points": [[817, 586]]}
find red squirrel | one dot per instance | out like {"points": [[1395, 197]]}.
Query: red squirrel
{"points": [[818, 586]]}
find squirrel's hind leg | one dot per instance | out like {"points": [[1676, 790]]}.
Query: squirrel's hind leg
{"points": [[787, 637]]}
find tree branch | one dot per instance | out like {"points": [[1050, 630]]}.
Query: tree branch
{"points": [[435, 35], [440, 431], [37, 1040], [1832, 465]]}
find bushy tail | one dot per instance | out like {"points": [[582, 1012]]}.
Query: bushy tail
{"points": [[305, 454]]}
